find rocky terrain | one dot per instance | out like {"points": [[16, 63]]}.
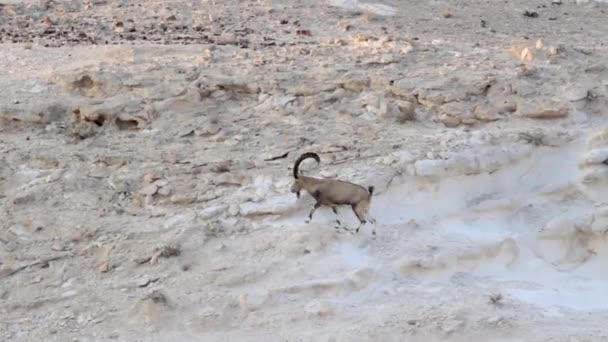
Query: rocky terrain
{"points": [[146, 152]]}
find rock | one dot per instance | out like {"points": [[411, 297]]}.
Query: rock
{"points": [[356, 84], [542, 110], [454, 113], [149, 190], [37, 113], [599, 139], [233, 210], [92, 84], [525, 54], [151, 177], [230, 179], [211, 212], [104, 267], [150, 309], [165, 190], [401, 110], [455, 164], [495, 320], [183, 199], [226, 39], [54, 176], [596, 156], [253, 301], [58, 247], [161, 182], [123, 110], [486, 112], [164, 91], [272, 206], [180, 220]]}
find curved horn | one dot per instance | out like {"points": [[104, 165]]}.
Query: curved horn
{"points": [[300, 159]]}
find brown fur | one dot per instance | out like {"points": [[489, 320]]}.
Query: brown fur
{"points": [[333, 193]]}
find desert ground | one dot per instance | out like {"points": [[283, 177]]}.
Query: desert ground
{"points": [[147, 151]]}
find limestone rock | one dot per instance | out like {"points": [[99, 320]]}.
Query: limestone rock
{"points": [[454, 113], [94, 84], [486, 112], [213, 211], [542, 110], [36, 113], [149, 190], [273, 206]]}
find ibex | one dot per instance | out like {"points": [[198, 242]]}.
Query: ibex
{"points": [[333, 193]]}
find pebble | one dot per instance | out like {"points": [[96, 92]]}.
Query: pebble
{"points": [[104, 267], [151, 177], [165, 191], [149, 190], [58, 247]]}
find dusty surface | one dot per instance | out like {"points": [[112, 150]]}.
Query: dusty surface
{"points": [[146, 149]]}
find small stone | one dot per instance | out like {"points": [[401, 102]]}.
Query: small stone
{"points": [[151, 177], [56, 175], [345, 27], [552, 50], [165, 191], [182, 199], [209, 130], [161, 182], [58, 247], [539, 44], [494, 320], [252, 301], [407, 111], [486, 112], [526, 55], [141, 260], [149, 190], [226, 39], [104, 267]]}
